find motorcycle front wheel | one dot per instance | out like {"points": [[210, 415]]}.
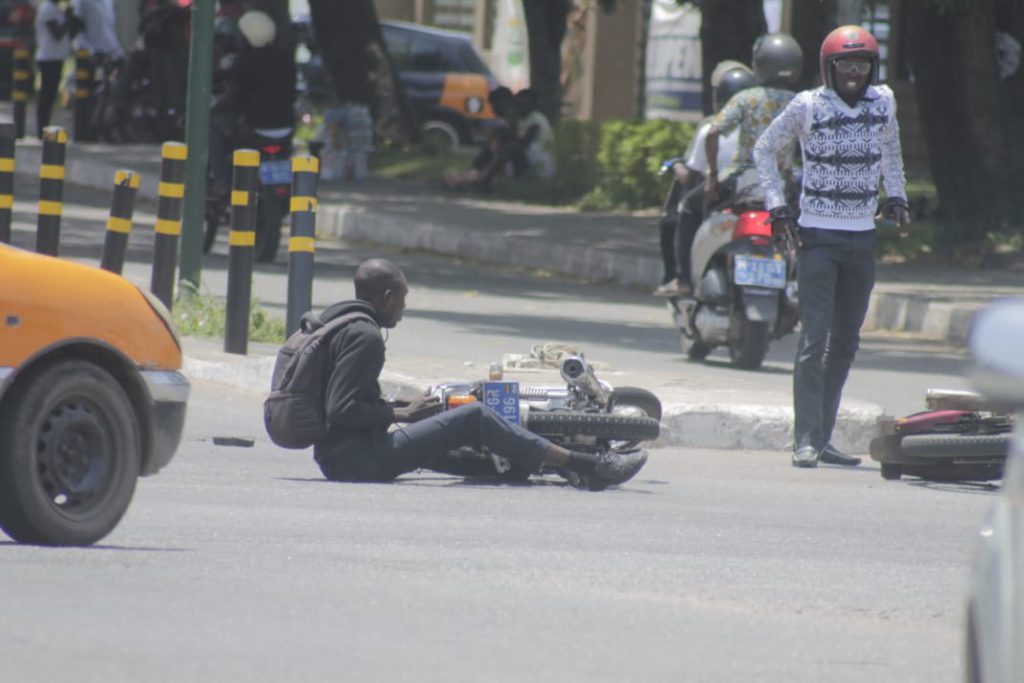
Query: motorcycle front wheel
{"points": [[748, 343], [269, 216]]}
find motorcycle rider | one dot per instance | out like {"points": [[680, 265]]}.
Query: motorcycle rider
{"points": [[359, 446], [679, 224], [258, 97], [850, 140], [777, 61]]}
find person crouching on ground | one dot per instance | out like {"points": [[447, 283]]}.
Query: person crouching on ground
{"points": [[359, 446], [850, 139]]}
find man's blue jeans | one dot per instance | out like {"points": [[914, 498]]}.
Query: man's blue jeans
{"points": [[836, 274]]}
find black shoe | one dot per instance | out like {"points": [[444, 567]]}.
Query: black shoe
{"points": [[805, 456], [605, 469], [830, 456]]}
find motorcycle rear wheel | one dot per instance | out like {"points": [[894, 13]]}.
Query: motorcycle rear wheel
{"points": [[270, 213], [750, 345], [599, 425]]}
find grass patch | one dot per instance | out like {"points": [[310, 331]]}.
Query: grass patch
{"points": [[203, 315], [418, 163]]}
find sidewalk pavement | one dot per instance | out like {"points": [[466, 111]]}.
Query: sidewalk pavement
{"points": [[615, 248]]}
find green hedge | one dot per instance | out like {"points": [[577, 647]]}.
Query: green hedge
{"points": [[614, 164]]}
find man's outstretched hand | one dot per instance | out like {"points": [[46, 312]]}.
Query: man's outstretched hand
{"points": [[417, 409]]}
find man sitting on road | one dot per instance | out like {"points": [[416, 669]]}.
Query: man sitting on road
{"points": [[359, 446]]}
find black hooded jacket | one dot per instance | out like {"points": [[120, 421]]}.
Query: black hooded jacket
{"points": [[352, 401]]}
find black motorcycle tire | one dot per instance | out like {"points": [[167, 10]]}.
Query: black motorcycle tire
{"points": [[954, 445], [270, 213], [750, 345], [211, 224], [635, 397], [599, 425], [695, 350]]}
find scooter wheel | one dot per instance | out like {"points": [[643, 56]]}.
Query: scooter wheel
{"points": [[891, 472]]}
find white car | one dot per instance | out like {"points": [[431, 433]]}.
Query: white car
{"points": [[995, 614]]}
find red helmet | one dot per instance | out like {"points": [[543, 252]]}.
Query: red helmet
{"points": [[848, 41]]}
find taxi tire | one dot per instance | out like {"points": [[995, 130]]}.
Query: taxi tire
{"points": [[55, 409]]}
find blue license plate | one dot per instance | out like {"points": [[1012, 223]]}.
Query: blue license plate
{"points": [[759, 271], [503, 398], [276, 172]]}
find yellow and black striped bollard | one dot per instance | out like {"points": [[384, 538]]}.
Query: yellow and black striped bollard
{"points": [[302, 243], [7, 134], [242, 241], [168, 221], [51, 190], [22, 82], [119, 224], [83, 96]]}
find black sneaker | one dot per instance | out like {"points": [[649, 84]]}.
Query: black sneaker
{"points": [[611, 469], [805, 456]]}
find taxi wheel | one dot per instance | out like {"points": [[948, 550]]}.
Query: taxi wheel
{"points": [[70, 458]]}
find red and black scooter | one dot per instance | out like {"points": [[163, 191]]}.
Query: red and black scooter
{"points": [[744, 282]]}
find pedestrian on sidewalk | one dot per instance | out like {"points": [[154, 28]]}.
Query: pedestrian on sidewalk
{"points": [[359, 446], [53, 47], [850, 139]]}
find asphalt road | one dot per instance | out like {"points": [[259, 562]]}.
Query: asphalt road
{"points": [[243, 564]]}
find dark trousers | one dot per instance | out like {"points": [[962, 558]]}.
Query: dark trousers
{"points": [[49, 81], [429, 444], [836, 273]]}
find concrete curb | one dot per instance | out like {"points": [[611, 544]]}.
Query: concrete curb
{"points": [[687, 425]]}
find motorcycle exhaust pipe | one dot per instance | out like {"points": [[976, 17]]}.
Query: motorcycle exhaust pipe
{"points": [[578, 373]]}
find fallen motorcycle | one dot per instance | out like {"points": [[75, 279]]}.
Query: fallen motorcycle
{"points": [[587, 414], [960, 437]]}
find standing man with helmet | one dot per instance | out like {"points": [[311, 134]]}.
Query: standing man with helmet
{"points": [[851, 142], [680, 222], [778, 61]]}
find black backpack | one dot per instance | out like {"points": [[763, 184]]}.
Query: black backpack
{"points": [[293, 413]]}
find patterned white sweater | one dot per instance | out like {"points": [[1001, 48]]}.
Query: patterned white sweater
{"points": [[846, 152]]}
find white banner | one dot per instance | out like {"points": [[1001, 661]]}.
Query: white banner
{"points": [[510, 54], [673, 73]]}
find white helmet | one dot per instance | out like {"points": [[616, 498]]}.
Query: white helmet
{"points": [[257, 27]]}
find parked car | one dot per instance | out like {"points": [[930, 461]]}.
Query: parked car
{"points": [[995, 612], [91, 397], [444, 79]]}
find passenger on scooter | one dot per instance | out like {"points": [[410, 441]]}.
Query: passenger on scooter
{"points": [[259, 96], [684, 207], [850, 140], [778, 61], [359, 445]]}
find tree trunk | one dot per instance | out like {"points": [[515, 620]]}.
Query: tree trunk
{"points": [[812, 21], [728, 30], [952, 54], [1010, 19], [545, 28], [350, 43]]}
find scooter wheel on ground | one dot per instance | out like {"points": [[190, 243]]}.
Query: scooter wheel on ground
{"points": [[891, 472]]}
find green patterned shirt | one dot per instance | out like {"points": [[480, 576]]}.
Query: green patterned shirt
{"points": [[752, 110]]}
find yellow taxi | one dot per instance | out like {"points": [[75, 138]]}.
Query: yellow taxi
{"points": [[91, 397]]}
